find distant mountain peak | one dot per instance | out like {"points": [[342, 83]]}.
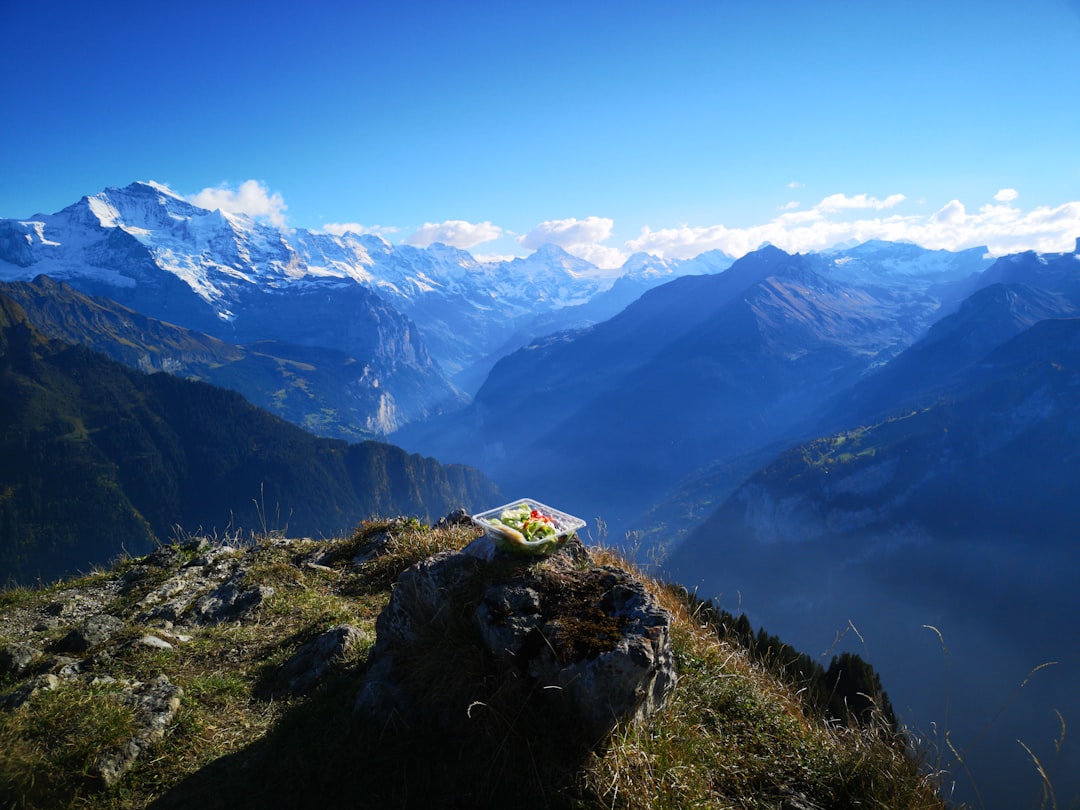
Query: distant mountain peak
{"points": [[551, 254]]}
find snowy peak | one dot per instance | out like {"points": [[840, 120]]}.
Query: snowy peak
{"points": [[550, 258], [138, 208], [210, 251], [892, 261], [645, 266]]}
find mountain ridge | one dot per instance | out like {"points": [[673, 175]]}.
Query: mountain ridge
{"points": [[699, 368], [97, 458]]}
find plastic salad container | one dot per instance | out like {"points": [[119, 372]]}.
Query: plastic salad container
{"points": [[528, 526]]}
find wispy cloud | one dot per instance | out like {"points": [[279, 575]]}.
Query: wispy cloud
{"points": [[839, 202], [1001, 227], [454, 232], [581, 237], [251, 198]]}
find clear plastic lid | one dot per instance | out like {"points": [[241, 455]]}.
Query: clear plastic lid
{"points": [[507, 536]]}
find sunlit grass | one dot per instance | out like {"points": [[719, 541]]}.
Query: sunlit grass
{"points": [[733, 734]]}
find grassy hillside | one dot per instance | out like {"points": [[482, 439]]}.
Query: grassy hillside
{"points": [[735, 734], [96, 458]]}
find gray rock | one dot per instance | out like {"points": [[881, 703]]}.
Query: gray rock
{"points": [[420, 595], [230, 601], [154, 704], [154, 642], [459, 517], [16, 658], [595, 641], [92, 632], [506, 617], [65, 666], [591, 639], [373, 548], [210, 588], [18, 697], [311, 663]]}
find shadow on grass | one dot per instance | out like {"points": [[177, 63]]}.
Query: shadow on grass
{"points": [[507, 751]]}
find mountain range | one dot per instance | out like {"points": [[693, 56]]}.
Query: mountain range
{"points": [[937, 494], [702, 369], [415, 316], [877, 435]]}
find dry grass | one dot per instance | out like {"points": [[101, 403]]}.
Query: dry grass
{"points": [[735, 735], [732, 736]]}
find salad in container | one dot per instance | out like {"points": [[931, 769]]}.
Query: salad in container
{"points": [[527, 526]]}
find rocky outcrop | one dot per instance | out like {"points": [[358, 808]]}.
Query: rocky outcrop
{"points": [[506, 656], [208, 589], [201, 584], [588, 641]]}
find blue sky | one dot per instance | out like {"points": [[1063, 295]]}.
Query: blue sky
{"points": [[606, 127]]}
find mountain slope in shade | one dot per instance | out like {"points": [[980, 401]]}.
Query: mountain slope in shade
{"points": [[988, 318], [1036, 287], [322, 390], [997, 456], [961, 516], [700, 369], [641, 273], [96, 459]]}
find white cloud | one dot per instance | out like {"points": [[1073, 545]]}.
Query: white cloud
{"points": [[685, 242], [953, 213], [602, 256], [342, 228], [454, 232], [1007, 195], [583, 238], [837, 202], [790, 205], [567, 233], [251, 198], [795, 184], [1001, 228]]}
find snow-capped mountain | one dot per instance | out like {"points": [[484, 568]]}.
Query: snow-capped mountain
{"points": [[140, 243], [233, 278], [212, 252]]}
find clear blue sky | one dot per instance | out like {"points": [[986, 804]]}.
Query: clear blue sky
{"points": [[607, 127]]}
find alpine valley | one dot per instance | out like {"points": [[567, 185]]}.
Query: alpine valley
{"points": [[874, 446]]}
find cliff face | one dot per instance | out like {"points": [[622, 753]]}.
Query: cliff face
{"points": [[211, 675]]}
